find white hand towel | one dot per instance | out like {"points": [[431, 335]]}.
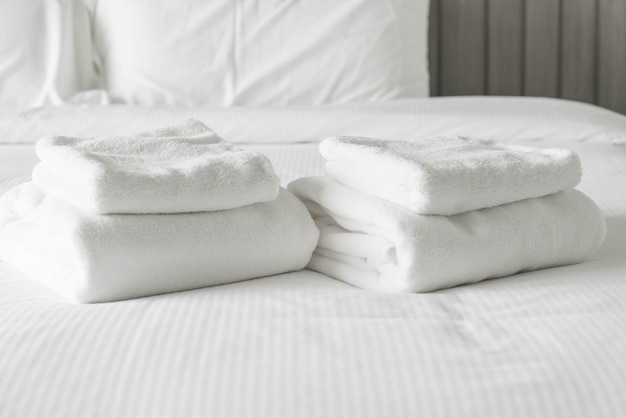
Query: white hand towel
{"points": [[409, 252], [449, 175], [99, 258], [182, 168]]}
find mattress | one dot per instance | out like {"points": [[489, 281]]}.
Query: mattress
{"points": [[548, 343]]}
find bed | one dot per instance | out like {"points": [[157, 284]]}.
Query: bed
{"points": [[544, 343], [547, 343]]}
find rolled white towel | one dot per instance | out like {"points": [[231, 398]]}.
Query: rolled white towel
{"points": [[182, 168], [100, 258], [375, 244], [449, 175]]}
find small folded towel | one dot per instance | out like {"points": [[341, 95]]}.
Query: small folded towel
{"points": [[449, 175], [99, 258], [182, 168], [377, 245]]}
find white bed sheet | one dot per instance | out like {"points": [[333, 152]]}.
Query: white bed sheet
{"points": [[549, 343], [500, 118]]}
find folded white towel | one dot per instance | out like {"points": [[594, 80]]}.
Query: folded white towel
{"points": [[449, 175], [98, 258], [182, 168], [408, 252]]}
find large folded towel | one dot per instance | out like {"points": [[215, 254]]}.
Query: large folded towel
{"points": [[98, 258], [182, 168], [375, 244], [449, 175]]}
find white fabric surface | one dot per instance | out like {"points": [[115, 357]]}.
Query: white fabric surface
{"points": [[548, 343], [91, 258], [359, 245], [182, 168], [256, 53], [448, 175], [436, 252], [45, 52], [504, 119]]}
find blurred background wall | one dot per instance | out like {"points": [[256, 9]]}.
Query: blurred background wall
{"points": [[573, 49]]}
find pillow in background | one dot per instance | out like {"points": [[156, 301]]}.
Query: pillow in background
{"points": [[45, 51], [262, 52]]}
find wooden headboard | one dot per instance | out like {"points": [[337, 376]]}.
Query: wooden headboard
{"points": [[574, 49]]}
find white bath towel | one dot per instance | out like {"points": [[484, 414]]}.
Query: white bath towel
{"points": [[449, 175], [182, 168], [408, 252], [99, 258]]}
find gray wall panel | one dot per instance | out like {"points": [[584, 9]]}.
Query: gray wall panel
{"points": [[463, 49], [505, 55], [433, 46], [541, 48], [574, 49], [612, 55], [578, 49]]}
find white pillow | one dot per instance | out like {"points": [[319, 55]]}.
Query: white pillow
{"points": [[262, 52], [45, 51]]}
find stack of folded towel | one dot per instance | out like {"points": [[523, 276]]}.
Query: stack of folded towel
{"points": [[417, 216], [114, 218]]}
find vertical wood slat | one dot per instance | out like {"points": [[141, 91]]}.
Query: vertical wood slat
{"points": [[463, 49], [434, 46], [541, 48], [612, 55], [578, 50], [505, 31]]}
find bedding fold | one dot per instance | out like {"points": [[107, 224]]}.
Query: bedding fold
{"points": [[182, 168], [449, 175], [410, 252], [88, 257]]}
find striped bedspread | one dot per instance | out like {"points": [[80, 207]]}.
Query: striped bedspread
{"points": [[549, 343]]}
